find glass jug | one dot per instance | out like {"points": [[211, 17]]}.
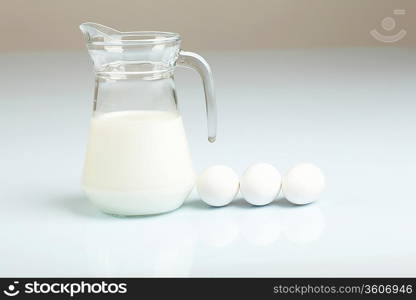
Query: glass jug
{"points": [[137, 160]]}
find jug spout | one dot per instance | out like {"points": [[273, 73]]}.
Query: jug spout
{"points": [[94, 32], [138, 52], [97, 33]]}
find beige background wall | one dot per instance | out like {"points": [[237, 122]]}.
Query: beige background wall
{"points": [[42, 25]]}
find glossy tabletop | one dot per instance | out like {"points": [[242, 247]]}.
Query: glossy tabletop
{"points": [[350, 111]]}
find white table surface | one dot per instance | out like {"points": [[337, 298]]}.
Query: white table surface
{"points": [[350, 111]]}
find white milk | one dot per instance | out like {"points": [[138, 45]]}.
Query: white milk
{"points": [[137, 162]]}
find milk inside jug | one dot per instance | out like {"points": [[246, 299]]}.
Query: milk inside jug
{"points": [[137, 160]]}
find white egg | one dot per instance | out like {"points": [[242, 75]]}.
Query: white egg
{"points": [[218, 185], [303, 183], [260, 184]]}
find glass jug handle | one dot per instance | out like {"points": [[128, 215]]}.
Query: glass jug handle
{"points": [[196, 62]]}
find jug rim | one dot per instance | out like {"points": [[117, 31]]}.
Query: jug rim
{"points": [[115, 37]]}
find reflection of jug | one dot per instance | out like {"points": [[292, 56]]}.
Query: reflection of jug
{"points": [[137, 159]]}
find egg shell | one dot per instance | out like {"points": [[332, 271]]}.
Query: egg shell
{"points": [[260, 184], [218, 185], [303, 183]]}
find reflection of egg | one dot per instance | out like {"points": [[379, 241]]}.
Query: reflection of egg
{"points": [[260, 227], [218, 185], [303, 224], [216, 229], [260, 184], [303, 184]]}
